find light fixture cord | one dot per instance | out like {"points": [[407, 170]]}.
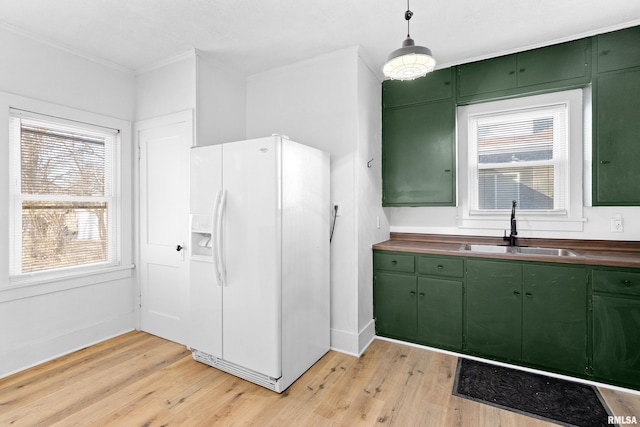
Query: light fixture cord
{"points": [[407, 15]]}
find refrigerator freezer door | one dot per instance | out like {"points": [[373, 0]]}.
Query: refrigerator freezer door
{"points": [[205, 293], [252, 295]]}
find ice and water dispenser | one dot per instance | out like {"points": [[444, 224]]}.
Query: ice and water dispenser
{"points": [[202, 238]]}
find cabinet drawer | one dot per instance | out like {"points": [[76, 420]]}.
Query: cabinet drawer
{"points": [[620, 282], [449, 267], [394, 262]]}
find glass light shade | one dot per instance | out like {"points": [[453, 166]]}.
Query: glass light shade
{"points": [[409, 62]]}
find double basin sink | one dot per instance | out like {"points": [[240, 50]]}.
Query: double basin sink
{"points": [[521, 250]]}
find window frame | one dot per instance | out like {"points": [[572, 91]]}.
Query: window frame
{"points": [[58, 114], [571, 175]]}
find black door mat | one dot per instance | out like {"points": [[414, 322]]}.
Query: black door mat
{"points": [[551, 399]]}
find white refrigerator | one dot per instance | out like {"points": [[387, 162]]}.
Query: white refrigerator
{"points": [[259, 258]]}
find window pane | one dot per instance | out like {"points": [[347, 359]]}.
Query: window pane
{"points": [[62, 234], [513, 140], [61, 162], [531, 187]]}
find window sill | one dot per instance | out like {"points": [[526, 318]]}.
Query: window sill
{"points": [[33, 285]]}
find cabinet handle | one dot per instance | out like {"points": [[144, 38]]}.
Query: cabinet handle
{"points": [[447, 170], [604, 162], [394, 262], [440, 267], [412, 293], [522, 70], [516, 293], [627, 282], [421, 294], [528, 294], [605, 52], [511, 73]]}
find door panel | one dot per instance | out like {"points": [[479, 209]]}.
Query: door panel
{"points": [[164, 211], [419, 154], [494, 309], [440, 313], [554, 312], [205, 332], [616, 341], [617, 144], [252, 292], [395, 305]]}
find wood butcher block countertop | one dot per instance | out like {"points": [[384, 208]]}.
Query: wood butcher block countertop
{"points": [[590, 252]]}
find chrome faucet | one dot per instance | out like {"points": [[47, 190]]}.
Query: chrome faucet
{"points": [[514, 231]]}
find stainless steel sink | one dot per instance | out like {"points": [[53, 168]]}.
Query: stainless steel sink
{"points": [[524, 250], [545, 251]]}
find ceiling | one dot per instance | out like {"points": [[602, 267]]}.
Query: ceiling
{"points": [[251, 36]]}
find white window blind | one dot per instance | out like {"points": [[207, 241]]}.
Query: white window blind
{"points": [[64, 193], [520, 155]]}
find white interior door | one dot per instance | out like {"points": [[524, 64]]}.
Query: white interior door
{"points": [[252, 300], [164, 224]]}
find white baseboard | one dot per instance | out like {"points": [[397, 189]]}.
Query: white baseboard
{"points": [[351, 343], [36, 352]]}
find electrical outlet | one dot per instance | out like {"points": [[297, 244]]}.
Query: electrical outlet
{"points": [[616, 224]]}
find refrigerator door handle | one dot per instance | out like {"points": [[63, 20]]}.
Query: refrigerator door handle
{"points": [[219, 239], [214, 234]]}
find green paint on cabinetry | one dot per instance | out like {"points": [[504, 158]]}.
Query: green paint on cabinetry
{"points": [[617, 139], [554, 317], [418, 155], [557, 67], [494, 309]]}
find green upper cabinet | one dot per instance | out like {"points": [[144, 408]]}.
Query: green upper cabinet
{"points": [[616, 127], [552, 68], [434, 86], [488, 76], [618, 50], [418, 155], [418, 141]]}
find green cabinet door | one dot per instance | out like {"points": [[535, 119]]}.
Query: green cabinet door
{"points": [[616, 339], [394, 301], [491, 75], [617, 139], [435, 86], [618, 50], [494, 309], [570, 63], [418, 155], [440, 313], [554, 317]]}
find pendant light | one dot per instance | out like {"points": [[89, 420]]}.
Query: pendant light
{"points": [[410, 61]]}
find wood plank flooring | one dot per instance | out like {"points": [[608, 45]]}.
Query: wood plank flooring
{"points": [[138, 379]]}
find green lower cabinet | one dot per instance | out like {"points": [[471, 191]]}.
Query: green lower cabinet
{"points": [[394, 300], [616, 339], [554, 317], [494, 309], [440, 313], [535, 314]]}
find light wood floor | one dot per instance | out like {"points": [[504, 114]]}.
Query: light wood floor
{"points": [[142, 380]]}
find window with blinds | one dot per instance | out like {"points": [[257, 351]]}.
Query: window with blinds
{"points": [[64, 199], [519, 155]]}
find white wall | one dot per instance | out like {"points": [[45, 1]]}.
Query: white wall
{"points": [[221, 103], [166, 87], [318, 103], [41, 320], [372, 223]]}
